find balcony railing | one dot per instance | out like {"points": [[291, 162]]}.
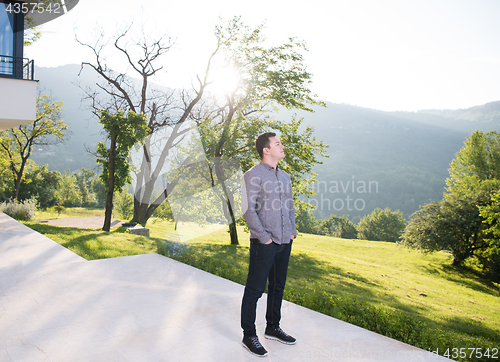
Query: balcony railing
{"points": [[18, 68]]}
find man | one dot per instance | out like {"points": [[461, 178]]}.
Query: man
{"points": [[267, 204]]}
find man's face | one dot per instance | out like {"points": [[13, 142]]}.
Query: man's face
{"points": [[276, 149]]}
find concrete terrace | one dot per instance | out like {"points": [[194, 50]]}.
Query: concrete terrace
{"points": [[56, 306]]}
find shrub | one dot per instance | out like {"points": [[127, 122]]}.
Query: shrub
{"points": [[59, 208], [382, 225], [337, 226], [19, 210]]}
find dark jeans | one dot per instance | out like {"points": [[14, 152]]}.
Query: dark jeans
{"points": [[267, 261]]}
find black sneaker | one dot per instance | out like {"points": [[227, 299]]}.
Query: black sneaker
{"points": [[278, 335], [254, 346]]}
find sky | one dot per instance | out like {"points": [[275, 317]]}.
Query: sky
{"points": [[389, 55]]}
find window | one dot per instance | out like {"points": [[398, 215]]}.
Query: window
{"points": [[11, 41]]}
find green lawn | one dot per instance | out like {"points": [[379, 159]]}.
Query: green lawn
{"points": [[94, 244], [413, 297]]}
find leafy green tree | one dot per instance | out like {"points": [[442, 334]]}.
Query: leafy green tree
{"points": [[456, 223], [304, 219], [123, 133], [382, 225], [268, 78], [125, 204], [490, 256], [227, 154], [337, 226], [69, 192], [99, 191], [84, 191], [491, 215], [42, 184], [452, 224], [477, 161], [18, 142], [304, 151], [6, 183], [84, 181]]}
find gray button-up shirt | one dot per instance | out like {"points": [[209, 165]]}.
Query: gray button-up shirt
{"points": [[267, 204]]}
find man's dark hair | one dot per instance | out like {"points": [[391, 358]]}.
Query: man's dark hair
{"points": [[262, 141]]}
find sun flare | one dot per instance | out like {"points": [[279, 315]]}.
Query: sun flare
{"points": [[225, 81]]}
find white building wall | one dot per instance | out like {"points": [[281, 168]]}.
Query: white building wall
{"points": [[17, 102]]}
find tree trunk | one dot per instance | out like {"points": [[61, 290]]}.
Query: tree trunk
{"points": [[17, 185], [233, 232], [146, 177], [143, 211], [228, 201], [19, 177], [140, 211], [111, 186]]}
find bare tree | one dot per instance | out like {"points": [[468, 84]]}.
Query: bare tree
{"points": [[167, 111]]}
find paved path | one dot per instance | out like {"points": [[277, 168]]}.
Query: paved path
{"points": [[56, 306], [89, 222]]}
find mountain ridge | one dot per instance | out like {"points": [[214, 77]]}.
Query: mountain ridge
{"points": [[406, 153]]}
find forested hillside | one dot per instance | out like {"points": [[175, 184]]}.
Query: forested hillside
{"points": [[377, 159], [485, 117], [381, 159]]}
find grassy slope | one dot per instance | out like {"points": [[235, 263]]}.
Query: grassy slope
{"points": [[457, 303]]}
